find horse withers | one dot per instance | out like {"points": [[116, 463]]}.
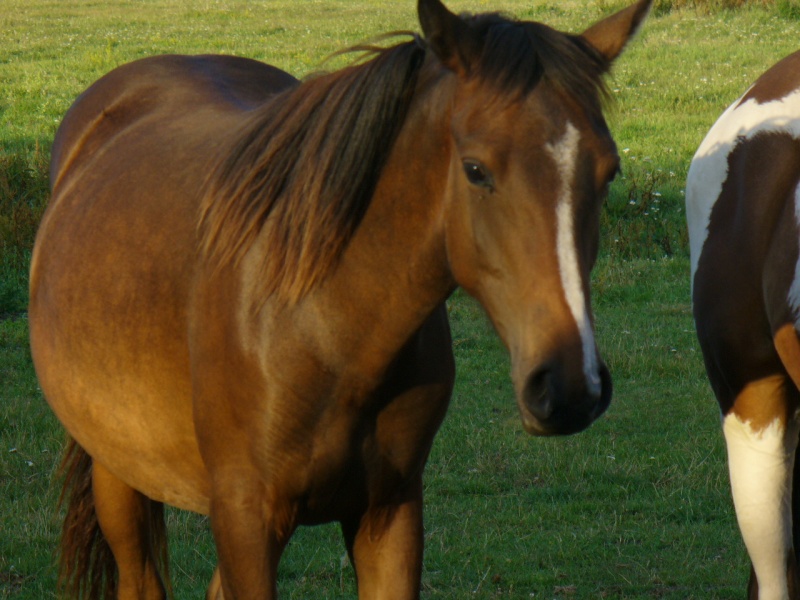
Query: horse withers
{"points": [[743, 211], [237, 291]]}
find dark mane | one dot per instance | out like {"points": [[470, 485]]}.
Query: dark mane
{"points": [[516, 55], [309, 163], [307, 169]]}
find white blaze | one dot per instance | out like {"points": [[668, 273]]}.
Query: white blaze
{"points": [[565, 154], [761, 464], [709, 168]]}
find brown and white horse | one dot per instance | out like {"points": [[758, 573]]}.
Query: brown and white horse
{"points": [[743, 210], [237, 292]]}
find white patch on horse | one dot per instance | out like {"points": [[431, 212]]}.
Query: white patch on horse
{"points": [[709, 168], [794, 289], [565, 154], [761, 464]]}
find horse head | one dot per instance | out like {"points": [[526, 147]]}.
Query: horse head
{"points": [[531, 158]]}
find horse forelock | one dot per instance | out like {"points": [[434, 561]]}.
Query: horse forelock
{"points": [[305, 167], [517, 55]]}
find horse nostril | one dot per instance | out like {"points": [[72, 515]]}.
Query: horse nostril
{"points": [[554, 404], [539, 397]]}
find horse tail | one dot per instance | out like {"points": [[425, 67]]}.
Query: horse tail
{"points": [[86, 565]]}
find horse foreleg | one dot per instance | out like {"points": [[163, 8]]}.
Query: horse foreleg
{"points": [[129, 522], [761, 437], [386, 548], [251, 533], [214, 591]]}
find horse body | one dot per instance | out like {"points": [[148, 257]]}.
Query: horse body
{"points": [[211, 349], [742, 208], [139, 226]]}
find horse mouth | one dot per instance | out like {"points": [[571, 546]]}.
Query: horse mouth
{"points": [[549, 406]]}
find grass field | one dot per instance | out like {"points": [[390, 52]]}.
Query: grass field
{"points": [[636, 507]]}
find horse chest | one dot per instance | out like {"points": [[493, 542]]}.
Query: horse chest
{"points": [[351, 459], [327, 442]]}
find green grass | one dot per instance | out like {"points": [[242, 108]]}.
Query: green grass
{"points": [[636, 507]]}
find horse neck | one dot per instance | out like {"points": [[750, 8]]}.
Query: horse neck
{"points": [[394, 273]]}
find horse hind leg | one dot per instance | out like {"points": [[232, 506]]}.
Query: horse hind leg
{"points": [[133, 525], [787, 344], [114, 536], [761, 433]]}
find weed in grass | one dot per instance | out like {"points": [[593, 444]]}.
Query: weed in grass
{"points": [[23, 197], [13, 287], [643, 216]]}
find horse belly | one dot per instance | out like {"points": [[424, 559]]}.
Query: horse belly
{"points": [[109, 288]]}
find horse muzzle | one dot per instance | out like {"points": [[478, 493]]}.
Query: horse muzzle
{"points": [[553, 403]]}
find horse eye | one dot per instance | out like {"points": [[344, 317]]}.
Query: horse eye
{"points": [[477, 174]]}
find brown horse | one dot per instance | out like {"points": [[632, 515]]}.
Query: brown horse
{"points": [[743, 208], [237, 292]]}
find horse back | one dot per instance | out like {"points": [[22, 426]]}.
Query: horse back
{"points": [[170, 87]]}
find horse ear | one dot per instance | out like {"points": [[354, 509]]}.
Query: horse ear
{"points": [[450, 38], [610, 35]]}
